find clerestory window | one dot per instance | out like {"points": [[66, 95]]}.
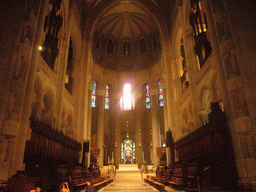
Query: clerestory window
{"points": [[197, 19], [110, 46], [126, 48]]}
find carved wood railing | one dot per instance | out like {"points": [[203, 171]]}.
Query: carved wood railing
{"points": [[207, 154], [212, 138], [48, 143]]}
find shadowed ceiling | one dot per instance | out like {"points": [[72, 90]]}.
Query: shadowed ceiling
{"points": [[126, 21]]}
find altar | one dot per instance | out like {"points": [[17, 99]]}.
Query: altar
{"points": [[128, 167]]}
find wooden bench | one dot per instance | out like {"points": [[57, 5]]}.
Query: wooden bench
{"points": [[161, 179], [151, 181], [176, 182], [103, 182], [78, 179]]}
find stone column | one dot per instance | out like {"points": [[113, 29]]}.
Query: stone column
{"points": [[235, 66], [89, 120], [192, 71], [166, 128], [100, 122], [138, 131], [155, 127], [63, 57], [17, 152], [117, 134]]}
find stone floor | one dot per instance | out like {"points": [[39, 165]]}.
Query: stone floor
{"points": [[130, 181]]}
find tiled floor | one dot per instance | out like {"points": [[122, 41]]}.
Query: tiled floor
{"points": [[130, 181]]}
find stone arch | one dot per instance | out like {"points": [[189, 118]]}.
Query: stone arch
{"points": [[214, 88], [38, 88], [187, 8], [142, 40], [205, 104], [37, 104], [104, 6], [215, 91], [125, 43], [48, 113], [177, 42], [180, 57], [111, 38]]}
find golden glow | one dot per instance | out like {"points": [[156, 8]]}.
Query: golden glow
{"points": [[127, 97], [40, 48]]}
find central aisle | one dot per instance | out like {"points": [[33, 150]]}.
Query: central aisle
{"points": [[128, 181]]}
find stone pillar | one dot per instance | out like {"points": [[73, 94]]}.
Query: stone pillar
{"points": [[63, 57], [138, 131], [235, 69], [166, 127], [89, 120], [192, 70], [155, 127], [26, 97], [117, 153], [173, 89], [100, 123]]}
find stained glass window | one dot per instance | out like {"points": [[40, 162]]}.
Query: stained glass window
{"points": [[128, 152], [94, 95], [160, 94], [147, 96], [107, 96]]}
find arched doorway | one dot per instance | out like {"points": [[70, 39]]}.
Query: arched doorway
{"points": [[128, 151]]}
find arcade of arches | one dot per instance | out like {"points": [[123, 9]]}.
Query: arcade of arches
{"points": [[66, 65]]}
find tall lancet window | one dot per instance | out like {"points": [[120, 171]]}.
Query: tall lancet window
{"points": [[110, 46], [107, 96], [94, 95], [127, 101], [147, 96], [126, 48], [160, 94]]}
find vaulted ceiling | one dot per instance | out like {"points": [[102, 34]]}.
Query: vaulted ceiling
{"points": [[126, 21]]}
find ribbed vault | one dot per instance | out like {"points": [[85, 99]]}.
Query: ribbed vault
{"points": [[126, 22]]}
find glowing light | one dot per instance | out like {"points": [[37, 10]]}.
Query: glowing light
{"points": [[127, 97], [40, 48]]}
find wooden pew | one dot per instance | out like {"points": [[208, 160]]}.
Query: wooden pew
{"points": [[78, 179], [178, 177], [152, 181], [101, 183], [176, 181]]}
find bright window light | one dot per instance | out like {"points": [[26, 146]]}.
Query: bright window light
{"points": [[127, 97]]}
